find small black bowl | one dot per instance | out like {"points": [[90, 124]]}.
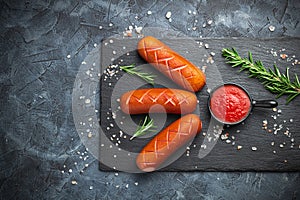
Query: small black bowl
{"points": [[253, 103]]}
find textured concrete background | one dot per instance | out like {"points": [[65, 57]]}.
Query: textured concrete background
{"points": [[39, 145]]}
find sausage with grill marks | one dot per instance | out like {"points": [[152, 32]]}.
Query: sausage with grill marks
{"points": [[168, 141], [173, 101], [171, 64]]}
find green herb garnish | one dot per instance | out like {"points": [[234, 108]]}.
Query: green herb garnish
{"points": [[273, 80], [131, 69], [146, 126]]}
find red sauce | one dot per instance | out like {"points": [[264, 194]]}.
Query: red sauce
{"points": [[230, 104]]}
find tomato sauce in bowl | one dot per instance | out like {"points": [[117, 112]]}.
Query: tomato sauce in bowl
{"points": [[230, 104]]}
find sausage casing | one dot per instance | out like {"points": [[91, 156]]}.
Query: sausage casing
{"points": [[158, 100], [171, 64], [168, 141]]}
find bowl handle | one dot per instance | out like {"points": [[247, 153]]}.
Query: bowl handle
{"points": [[265, 103]]}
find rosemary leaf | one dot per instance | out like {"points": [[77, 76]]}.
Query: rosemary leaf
{"points": [[272, 79], [147, 126], [131, 69]]}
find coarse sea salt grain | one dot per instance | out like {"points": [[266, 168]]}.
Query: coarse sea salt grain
{"points": [[254, 148], [74, 182], [272, 28], [168, 15]]}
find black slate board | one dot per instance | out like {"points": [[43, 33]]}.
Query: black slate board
{"points": [[224, 156]]}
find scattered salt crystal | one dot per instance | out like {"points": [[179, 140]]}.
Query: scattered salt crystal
{"points": [[292, 139], [110, 24], [91, 187], [70, 170], [87, 101], [272, 28], [254, 148], [149, 12], [136, 183], [224, 136], [209, 22], [168, 15], [100, 27], [111, 41], [239, 147], [138, 29], [206, 46], [74, 182]]}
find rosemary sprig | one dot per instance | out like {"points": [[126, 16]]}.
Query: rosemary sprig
{"points": [[147, 125], [130, 69], [273, 80]]}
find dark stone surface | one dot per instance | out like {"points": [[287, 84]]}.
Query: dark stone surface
{"points": [[38, 138], [224, 156]]}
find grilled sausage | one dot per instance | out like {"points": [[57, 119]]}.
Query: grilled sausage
{"points": [[171, 64], [172, 101], [168, 142]]}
